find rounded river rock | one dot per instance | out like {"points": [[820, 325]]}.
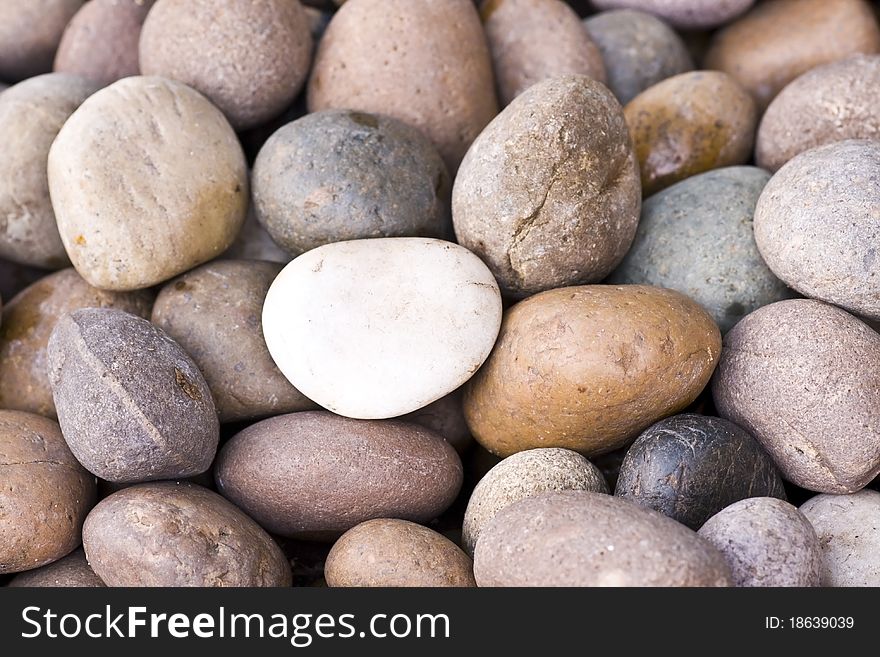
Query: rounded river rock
{"points": [[803, 377], [314, 475], [578, 538], [697, 237], [132, 404], [689, 467], [548, 195]]}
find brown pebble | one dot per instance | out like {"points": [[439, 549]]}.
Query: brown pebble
{"points": [[688, 124], [534, 40], [45, 493], [28, 321], [71, 571], [588, 368], [314, 475], [779, 40], [396, 553], [101, 40]]}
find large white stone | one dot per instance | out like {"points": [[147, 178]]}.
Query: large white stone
{"points": [[377, 328]]}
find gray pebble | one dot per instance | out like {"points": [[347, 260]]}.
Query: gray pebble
{"points": [[340, 175], [578, 538], [816, 225], [639, 50], [766, 542], [696, 237], [131, 403]]}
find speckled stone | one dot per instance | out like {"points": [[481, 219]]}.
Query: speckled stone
{"points": [[397, 553], [523, 475], [803, 377], [249, 58], [848, 527], [71, 571], [827, 104], [340, 175], [578, 538], [816, 227], [689, 467], [697, 237], [549, 195], [639, 50], [766, 542]]}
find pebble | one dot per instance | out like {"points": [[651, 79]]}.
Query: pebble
{"points": [[589, 368], [523, 475], [31, 114], [803, 377], [688, 124], [828, 104], [690, 467], [314, 475], [766, 542], [45, 494], [396, 553], [535, 40], [101, 41], [213, 313], [339, 175], [248, 58], [639, 50], [334, 317], [549, 195], [131, 403], [147, 180], [815, 226], [209, 542], [697, 237], [779, 40], [848, 527], [578, 538]]}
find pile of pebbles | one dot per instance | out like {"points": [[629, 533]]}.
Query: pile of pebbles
{"points": [[439, 293]]}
